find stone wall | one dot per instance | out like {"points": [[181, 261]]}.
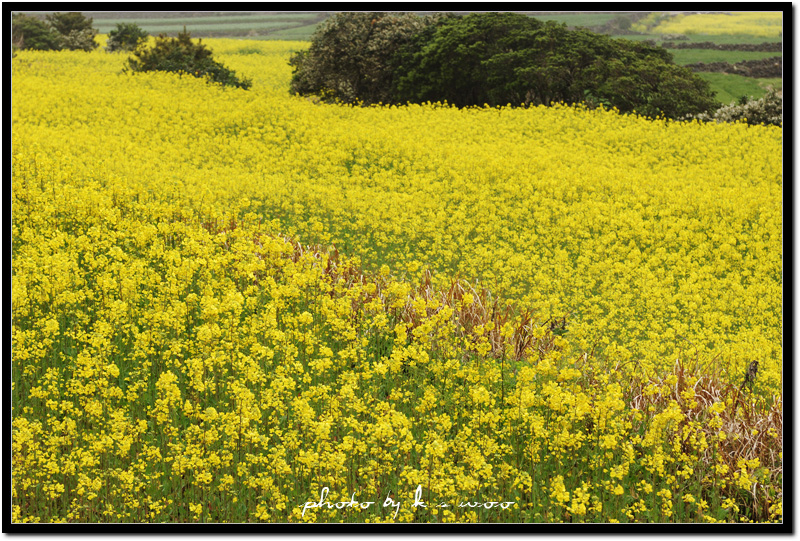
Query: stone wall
{"points": [[767, 67], [754, 47]]}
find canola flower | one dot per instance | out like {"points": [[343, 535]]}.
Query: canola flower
{"points": [[177, 357], [768, 24]]}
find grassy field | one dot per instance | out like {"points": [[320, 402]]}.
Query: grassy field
{"points": [[691, 56], [259, 25], [300, 33], [730, 87], [225, 302], [202, 30], [578, 19]]}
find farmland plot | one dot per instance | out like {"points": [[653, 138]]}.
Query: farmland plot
{"points": [[225, 301]]}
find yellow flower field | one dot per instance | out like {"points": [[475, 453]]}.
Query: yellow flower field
{"points": [[226, 301], [764, 24]]}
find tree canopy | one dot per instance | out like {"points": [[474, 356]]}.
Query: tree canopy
{"points": [[125, 37], [58, 31], [491, 59], [351, 56]]}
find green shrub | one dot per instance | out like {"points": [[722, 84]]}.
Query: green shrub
{"points": [[351, 56], [125, 37], [75, 31], [70, 31], [182, 55], [462, 60], [28, 32], [508, 58], [79, 40], [492, 59]]}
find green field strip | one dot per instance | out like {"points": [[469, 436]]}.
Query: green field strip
{"points": [[190, 26], [580, 19], [301, 33], [690, 56], [204, 20], [729, 87]]}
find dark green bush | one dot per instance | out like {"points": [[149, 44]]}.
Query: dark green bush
{"points": [[351, 55], [75, 31], [508, 58], [125, 37], [70, 31], [493, 59], [449, 61], [182, 55], [28, 32]]}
